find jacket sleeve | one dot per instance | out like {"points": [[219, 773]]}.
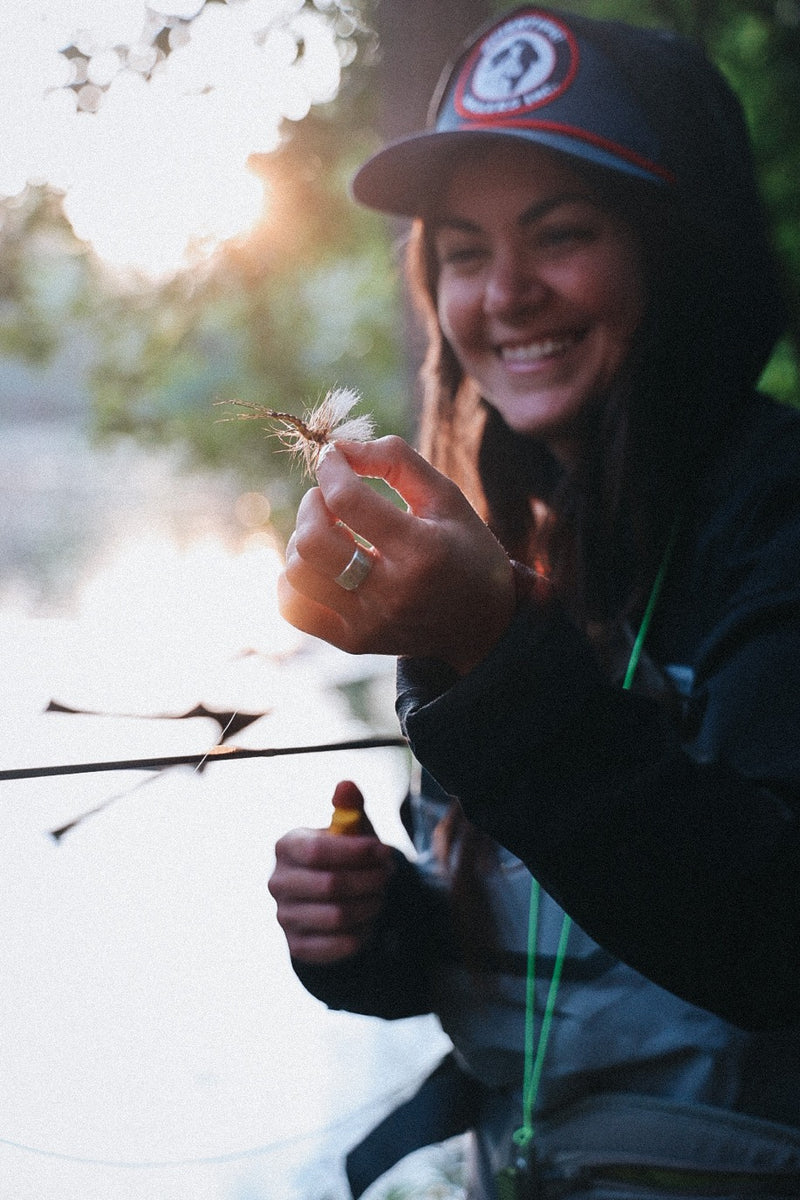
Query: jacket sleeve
{"points": [[682, 860], [389, 977]]}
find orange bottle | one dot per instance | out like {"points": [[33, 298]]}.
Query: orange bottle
{"points": [[348, 811]]}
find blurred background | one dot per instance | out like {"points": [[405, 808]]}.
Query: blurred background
{"points": [[176, 232]]}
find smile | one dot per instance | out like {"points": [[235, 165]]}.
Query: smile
{"points": [[535, 352]]}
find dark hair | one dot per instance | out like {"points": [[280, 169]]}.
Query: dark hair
{"points": [[608, 519]]}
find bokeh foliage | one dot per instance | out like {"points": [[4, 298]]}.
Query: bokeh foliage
{"points": [[306, 304], [756, 44], [312, 299]]}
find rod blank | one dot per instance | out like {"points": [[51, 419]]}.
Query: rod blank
{"points": [[215, 755]]}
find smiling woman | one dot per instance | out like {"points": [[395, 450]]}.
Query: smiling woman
{"points": [[599, 669], [540, 289]]}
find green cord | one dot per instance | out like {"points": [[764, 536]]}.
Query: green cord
{"points": [[524, 1134], [534, 1061], [534, 1057], [636, 652]]}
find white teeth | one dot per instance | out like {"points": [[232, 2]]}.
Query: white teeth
{"points": [[536, 350]]}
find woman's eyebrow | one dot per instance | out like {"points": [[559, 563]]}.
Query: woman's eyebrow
{"points": [[541, 208], [529, 216], [459, 224]]}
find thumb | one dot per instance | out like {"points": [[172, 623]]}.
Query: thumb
{"points": [[425, 490], [349, 818]]}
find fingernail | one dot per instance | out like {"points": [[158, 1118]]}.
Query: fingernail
{"points": [[328, 449]]}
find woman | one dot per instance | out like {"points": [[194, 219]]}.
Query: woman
{"points": [[589, 253]]}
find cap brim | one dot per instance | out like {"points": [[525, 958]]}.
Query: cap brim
{"points": [[406, 176]]}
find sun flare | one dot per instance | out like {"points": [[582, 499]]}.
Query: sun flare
{"points": [[148, 146]]}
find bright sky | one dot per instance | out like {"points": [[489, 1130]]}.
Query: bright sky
{"points": [[150, 150]]}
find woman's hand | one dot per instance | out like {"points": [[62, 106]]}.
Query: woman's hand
{"points": [[441, 586], [329, 891]]}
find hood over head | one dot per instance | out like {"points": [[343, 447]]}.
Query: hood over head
{"points": [[645, 104]]}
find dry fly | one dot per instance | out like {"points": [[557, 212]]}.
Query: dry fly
{"points": [[307, 436]]}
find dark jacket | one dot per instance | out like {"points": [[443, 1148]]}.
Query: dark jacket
{"points": [[668, 827], [670, 834]]}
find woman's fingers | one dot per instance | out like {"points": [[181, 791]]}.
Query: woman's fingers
{"points": [[328, 891], [320, 550], [426, 492], [424, 489], [343, 503], [438, 584], [319, 536], [300, 609]]}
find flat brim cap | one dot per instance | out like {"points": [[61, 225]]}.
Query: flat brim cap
{"points": [[539, 76]]}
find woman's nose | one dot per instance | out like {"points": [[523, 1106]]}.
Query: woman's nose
{"points": [[512, 284]]}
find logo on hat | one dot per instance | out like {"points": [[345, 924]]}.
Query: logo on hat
{"points": [[522, 63]]}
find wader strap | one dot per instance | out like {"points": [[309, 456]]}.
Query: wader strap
{"points": [[446, 1104]]}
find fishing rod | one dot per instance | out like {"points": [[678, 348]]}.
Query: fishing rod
{"points": [[216, 754]]}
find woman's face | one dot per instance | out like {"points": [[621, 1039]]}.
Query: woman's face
{"points": [[540, 289]]}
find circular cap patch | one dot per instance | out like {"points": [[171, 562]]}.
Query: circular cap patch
{"points": [[525, 62]]}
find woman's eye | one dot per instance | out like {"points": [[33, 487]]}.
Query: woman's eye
{"points": [[459, 255], [460, 258], [566, 235]]}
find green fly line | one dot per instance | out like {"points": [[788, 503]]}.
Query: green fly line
{"points": [[536, 1048]]}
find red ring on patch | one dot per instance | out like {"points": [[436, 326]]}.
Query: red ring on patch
{"points": [[515, 68]]}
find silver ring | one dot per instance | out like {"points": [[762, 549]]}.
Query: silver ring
{"points": [[356, 570]]}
